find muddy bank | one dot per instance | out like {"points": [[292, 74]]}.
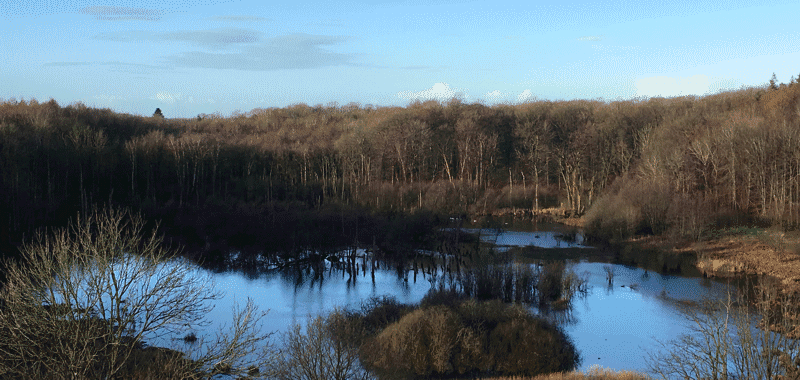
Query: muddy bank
{"points": [[765, 252], [747, 251], [744, 251]]}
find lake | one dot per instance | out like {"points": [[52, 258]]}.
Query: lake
{"points": [[611, 326]]}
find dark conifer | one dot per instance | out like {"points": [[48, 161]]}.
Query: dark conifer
{"points": [[773, 82]]}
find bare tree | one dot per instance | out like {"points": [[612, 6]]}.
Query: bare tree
{"points": [[322, 352], [82, 301], [610, 272], [735, 339]]}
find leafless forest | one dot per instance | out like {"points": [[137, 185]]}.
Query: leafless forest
{"points": [[680, 165]]}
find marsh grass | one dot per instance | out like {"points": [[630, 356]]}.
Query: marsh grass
{"points": [[594, 373]]}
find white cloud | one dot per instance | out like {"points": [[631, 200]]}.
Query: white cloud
{"points": [[440, 91], [526, 96], [166, 97], [238, 18], [590, 38], [494, 95], [667, 86]]}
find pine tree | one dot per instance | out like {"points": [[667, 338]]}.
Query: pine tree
{"points": [[161, 115], [773, 82]]}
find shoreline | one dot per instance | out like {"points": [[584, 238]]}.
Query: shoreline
{"points": [[770, 253], [740, 252]]}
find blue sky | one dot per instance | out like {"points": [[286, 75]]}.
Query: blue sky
{"points": [[206, 56]]}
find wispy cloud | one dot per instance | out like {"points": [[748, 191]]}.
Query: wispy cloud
{"points": [[216, 39], [116, 64], [238, 18], [111, 13], [422, 67], [494, 96], [297, 51], [173, 98], [166, 97], [67, 64], [440, 91], [615, 49], [328, 23], [526, 96], [590, 38]]}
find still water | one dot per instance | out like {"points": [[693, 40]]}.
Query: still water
{"points": [[612, 326]]}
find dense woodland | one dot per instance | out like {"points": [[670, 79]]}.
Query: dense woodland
{"points": [[302, 176]]}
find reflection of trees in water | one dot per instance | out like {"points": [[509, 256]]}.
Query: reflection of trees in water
{"points": [[561, 317], [459, 261], [472, 270]]}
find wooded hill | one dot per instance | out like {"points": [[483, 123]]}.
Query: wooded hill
{"points": [[680, 165]]}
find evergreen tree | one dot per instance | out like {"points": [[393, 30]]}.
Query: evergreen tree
{"points": [[161, 115], [773, 82]]}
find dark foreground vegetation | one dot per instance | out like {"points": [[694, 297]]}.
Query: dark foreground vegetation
{"points": [[87, 301], [267, 178], [84, 302], [447, 336]]}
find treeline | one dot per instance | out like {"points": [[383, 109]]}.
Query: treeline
{"points": [[733, 153], [730, 160]]}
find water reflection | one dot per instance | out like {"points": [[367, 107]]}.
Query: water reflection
{"points": [[542, 239], [611, 324], [618, 322]]}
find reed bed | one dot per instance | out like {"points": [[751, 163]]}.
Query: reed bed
{"points": [[594, 373]]}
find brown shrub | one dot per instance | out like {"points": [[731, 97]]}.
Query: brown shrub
{"points": [[421, 343], [468, 338]]}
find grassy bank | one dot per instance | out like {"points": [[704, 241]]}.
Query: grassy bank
{"points": [[595, 373], [739, 251], [723, 252]]}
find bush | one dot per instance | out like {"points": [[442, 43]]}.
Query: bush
{"points": [[469, 337], [613, 216], [530, 346], [379, 312], [449, 297], [423, 343], [550, 284]]}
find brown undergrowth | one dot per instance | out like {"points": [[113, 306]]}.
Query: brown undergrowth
{"points": [[731, 252], [762, 252], [594, 373], [560, 215]]}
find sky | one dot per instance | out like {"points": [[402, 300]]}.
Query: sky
{"points": [[226, 56]]}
